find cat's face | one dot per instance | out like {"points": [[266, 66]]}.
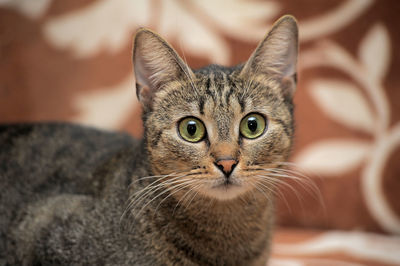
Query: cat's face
{"points": [[217, 131]]}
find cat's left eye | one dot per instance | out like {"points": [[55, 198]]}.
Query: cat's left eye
{"points": [[252, 126], [191, 129]]}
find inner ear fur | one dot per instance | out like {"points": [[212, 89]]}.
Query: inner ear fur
{"points": [[156, 64], [276, 55]]}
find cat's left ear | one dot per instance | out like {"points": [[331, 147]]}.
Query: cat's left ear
{"points": [[276, 55], [156, 64]]}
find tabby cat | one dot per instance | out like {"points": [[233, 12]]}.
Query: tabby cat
{"points": [[197, 190]]}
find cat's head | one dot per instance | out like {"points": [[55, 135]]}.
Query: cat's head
{"points": [[218, 130]]}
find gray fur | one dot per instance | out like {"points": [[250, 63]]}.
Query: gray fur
{"points": [[64, 189], [73, 195]]}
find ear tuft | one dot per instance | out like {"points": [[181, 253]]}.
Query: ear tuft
{"points": [[276, 55]]}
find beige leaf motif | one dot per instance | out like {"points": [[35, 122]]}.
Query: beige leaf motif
{"points": [[344, 103], [332, 157], [374, 52], [366, 246], [32, 9], [310, 262], [102, 25], [191, 34], [372, 181], [107, 107], [240, 18], [334, 20], [107, 25]]}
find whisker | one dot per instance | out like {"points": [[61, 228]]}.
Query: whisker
{"points": [[278, 181], [166, 175], [145, 192], [311, 183], [153, 185], [298, 169], [156, 188], [280, 194], [184, 186], [294, 172], [306, 183], [195, 194], [155, 197], [271, 183], [144, 178], [131, 196], [184, 196], [301, 179], [154, 182], [262, 191]]}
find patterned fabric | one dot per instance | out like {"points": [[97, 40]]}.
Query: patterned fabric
{"points": [[71, 61], [338, 248]]}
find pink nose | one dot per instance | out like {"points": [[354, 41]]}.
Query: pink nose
{"points": [[226, 165]]}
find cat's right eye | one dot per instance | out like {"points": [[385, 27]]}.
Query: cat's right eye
{"points": [[191, 129]]}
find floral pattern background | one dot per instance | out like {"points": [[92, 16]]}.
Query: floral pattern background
{"points": [[71, 61]]}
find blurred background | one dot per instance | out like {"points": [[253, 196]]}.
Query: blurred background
{"points": [[71, 61]]}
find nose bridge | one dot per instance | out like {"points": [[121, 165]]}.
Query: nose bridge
{"points": [[223, 143], [224, 150], [223, 121]]}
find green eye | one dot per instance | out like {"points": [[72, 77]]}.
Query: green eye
{"points": [[191, 129], [252, 126]]}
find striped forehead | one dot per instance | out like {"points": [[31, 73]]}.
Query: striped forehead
{"points": [[219, 95], [220, 89]]}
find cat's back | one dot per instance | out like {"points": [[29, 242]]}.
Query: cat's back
{"points": [[58, 161], [56, 153]]}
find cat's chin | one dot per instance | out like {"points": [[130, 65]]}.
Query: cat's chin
{"points": [[225, 191]]}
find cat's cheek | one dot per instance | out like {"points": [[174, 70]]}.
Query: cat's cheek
{"points": [[172, 154], [273, 146]]}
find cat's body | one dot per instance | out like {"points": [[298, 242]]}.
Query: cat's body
{"points": [[52, 174], [194, 192], [65, 208]]}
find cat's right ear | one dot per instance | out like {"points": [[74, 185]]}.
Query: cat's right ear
{"points": [[155, 64]]}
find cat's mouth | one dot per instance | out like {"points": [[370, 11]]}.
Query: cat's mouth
{"points": [[226, 188], [226, 183]]}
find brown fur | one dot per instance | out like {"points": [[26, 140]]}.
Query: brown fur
{"points": [[220, 97], [76, 196]]}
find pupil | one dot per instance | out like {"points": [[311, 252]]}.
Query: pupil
{"points": [[252, 124], [191, 128]]}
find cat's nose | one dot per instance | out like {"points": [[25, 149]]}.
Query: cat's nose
{"points": [[226, 165]]}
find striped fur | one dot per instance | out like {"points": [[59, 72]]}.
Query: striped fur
{"points": [[72, 195]]}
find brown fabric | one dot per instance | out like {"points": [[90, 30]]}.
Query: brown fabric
{"points": [[339, 248], [71, 61]]}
